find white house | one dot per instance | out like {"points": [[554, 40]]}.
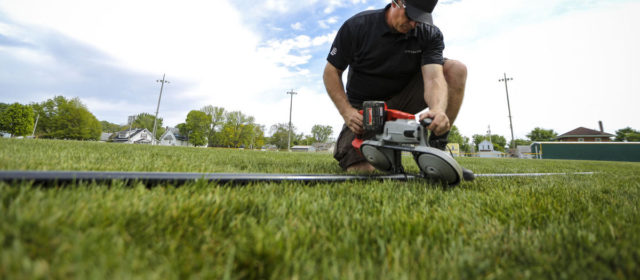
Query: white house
{"points": [[134, 136], [485, 150], [172, 137], [104, 137], [309, 149]]}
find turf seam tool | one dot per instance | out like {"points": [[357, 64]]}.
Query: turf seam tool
{"points": [[388, 133]]}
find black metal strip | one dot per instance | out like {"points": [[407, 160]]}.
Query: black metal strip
{"points": [[154, 178]]}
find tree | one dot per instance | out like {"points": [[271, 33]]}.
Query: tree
{"points": [[17, 119], [197, 127], [540, 134], [280, 135], [238, 129], [305, 140], [257, 139], [3, 106], [110, 127], [217, 115], [66, 119], [146, 120], [321, 133], [627, 134], [522, 142]]}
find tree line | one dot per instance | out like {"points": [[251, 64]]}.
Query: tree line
{"points": [[62, 118], [217, 127], [56, 118]]}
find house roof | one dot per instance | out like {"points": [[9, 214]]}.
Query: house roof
{"points": [[584, 132], [134, 132]]}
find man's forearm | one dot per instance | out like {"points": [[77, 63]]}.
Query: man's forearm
{"points": [[436, 95], [435, 89], [335, 89]]}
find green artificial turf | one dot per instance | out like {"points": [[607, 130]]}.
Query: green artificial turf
{"points": [[557, 227]]}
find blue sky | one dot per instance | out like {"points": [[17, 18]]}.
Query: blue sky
{"points": [[573, 62]]}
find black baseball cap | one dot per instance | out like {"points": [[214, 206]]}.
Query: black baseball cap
{"points": [[420, 10]]}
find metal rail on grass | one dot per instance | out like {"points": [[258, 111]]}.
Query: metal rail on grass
{"points": [[155, 178], [531, 174]]}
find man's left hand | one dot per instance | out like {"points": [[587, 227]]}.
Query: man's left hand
{"points": [[440, 124]]}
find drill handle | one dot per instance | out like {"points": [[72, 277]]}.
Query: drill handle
{"points": [[426, 122]]}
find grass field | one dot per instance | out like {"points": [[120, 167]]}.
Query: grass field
{"points": [[562, 227]]}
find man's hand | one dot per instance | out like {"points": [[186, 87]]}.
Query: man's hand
{"points": [[440, 124], [353, 119]]}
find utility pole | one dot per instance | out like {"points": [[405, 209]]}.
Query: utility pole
{"points": [[35, 126], [506, 88], [291, 92], [131, 120], [155, 120]]}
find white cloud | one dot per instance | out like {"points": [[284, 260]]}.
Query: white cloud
{"points": [[29, 56], [297, 26], [324, 39], [326, 23], [332, 5]]}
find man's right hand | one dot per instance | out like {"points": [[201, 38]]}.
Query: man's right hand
{"points": [[353, 119]]}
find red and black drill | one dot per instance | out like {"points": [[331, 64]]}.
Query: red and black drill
{"points": [[392, 132]]}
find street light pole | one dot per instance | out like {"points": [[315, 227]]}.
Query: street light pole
{"points": [[290, 109], [506, 88], [155, 120]]}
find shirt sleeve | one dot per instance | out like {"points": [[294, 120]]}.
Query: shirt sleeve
{"points": [[432, 46], [341, 54]]}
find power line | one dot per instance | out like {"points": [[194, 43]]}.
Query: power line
{"points": [[506, 88], [291, 92], [155, 120]]}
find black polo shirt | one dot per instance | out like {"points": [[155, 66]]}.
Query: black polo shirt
{"points": [[381, 60]]}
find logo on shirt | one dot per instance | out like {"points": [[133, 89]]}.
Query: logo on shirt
{"points": [[334, 51], [413, 51]]}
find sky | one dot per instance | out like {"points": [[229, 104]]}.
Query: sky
{"points": [[573, 62]]}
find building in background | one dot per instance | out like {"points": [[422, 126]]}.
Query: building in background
{"points": [[309, 149], [454, 148], [172, 137], [134, 136], [583, 134], [485, 150], [610, 151]]}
